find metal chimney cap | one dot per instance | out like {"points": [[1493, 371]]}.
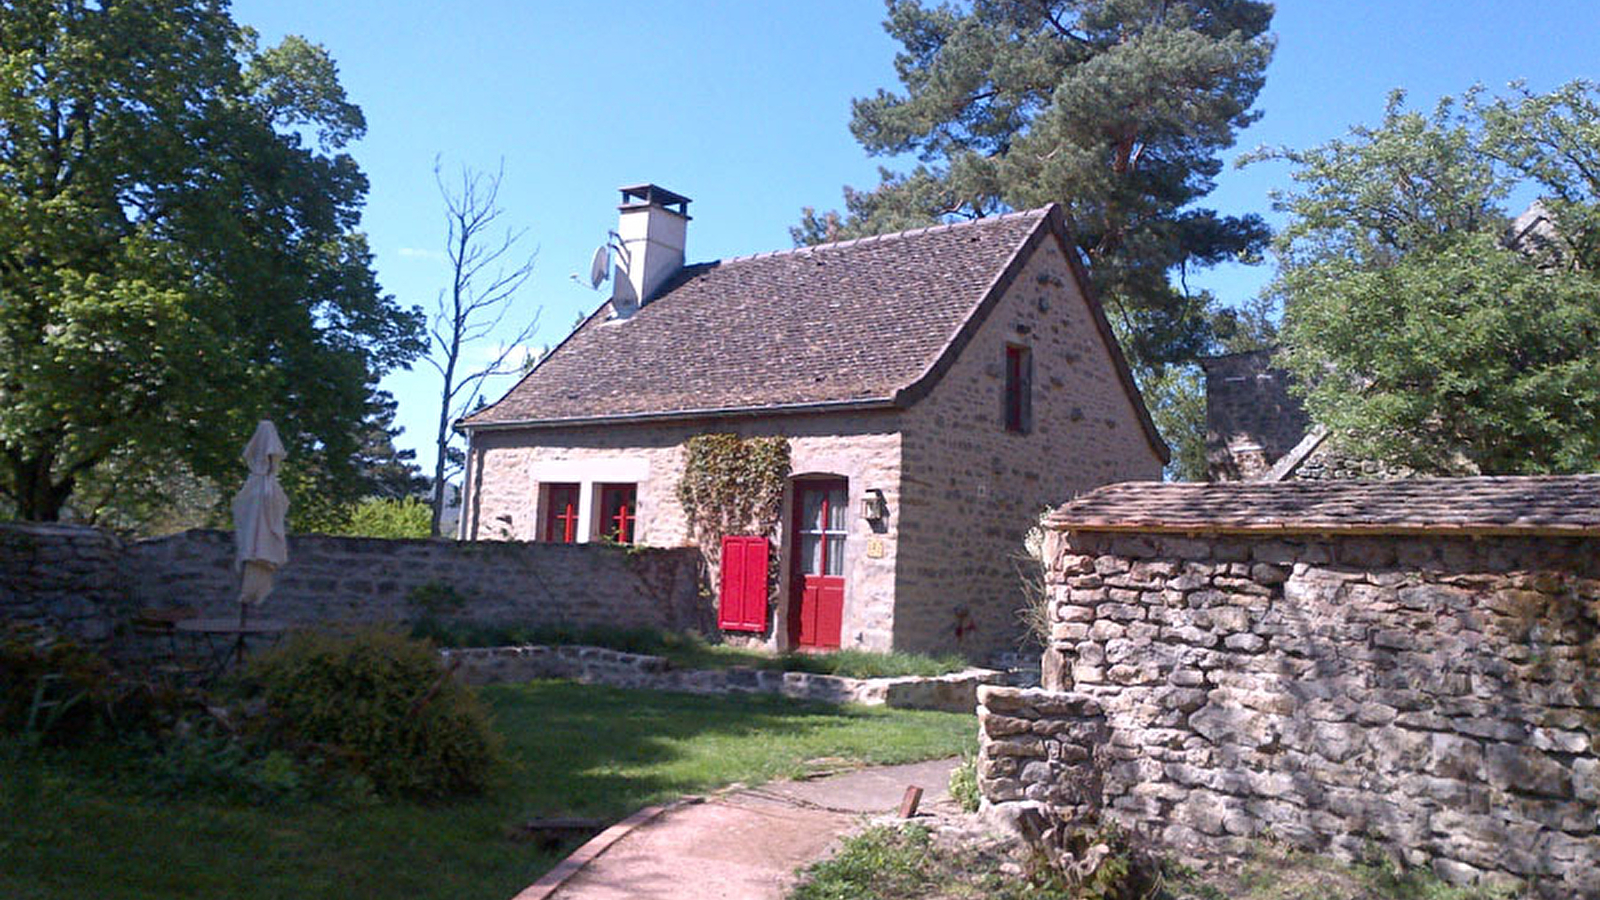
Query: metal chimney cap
{"points": [[634, 196]]}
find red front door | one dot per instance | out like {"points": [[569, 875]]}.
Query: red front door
{"points": [[816, 598]]}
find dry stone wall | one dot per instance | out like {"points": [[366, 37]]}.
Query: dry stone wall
{"points": [[62, 576], [88, 583], [955, 692], [365, 580], [1439, 697]]}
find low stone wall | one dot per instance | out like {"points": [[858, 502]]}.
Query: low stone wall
{"points": [[88, 583], [65, 577], [362, 580], [1436, 696], [956, 692]]}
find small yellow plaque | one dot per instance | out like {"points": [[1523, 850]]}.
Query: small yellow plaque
{"points": [[874, 548]]}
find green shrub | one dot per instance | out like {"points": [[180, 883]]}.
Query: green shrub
{"points": [[381, 517], [54, 691], [964, 784], [379, 705]]}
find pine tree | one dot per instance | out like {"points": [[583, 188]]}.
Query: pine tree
{"points": [[1116, 109]]}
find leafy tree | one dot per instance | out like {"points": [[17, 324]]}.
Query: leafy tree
{"points": [[178, 249], [486, 271], [1116, 109], [1421, 332]]}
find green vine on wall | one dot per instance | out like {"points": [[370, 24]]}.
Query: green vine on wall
{"points": [[732, 485]]}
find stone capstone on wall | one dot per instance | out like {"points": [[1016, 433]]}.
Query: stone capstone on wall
{"points": [[1435, 696]]}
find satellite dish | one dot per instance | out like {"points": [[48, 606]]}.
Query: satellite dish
{"points": [[597, 268]]}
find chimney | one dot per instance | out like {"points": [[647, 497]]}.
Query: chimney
{"points": [[651, 226]]}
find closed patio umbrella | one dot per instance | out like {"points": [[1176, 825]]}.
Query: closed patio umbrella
{"points": [[261, 543]]}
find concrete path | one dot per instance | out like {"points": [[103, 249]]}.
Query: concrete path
{"points": [[743, 845]]}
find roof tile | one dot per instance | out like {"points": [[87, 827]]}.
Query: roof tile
{"points": [[856, 320], [1539, 504]]}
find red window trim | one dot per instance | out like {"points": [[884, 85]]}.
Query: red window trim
{"points": [[621, 524], [561, 509]]}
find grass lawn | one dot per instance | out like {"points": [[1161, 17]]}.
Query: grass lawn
{"points": [[67, 830]]}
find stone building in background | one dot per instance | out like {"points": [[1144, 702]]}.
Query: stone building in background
{"points": [[1257, 431]]}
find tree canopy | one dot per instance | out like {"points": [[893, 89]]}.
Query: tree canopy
{"points": [[179, 252], [1424, 326], [1116, 109]]}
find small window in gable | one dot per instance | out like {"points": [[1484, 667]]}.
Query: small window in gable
{"points": [[1018, 397], [618, 509]]}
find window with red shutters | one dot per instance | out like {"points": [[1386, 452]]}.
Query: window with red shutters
{"points": [[561, 513], [618, 509], [742, 595]]}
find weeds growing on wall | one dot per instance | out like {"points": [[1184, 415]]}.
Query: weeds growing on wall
{"points": [[1030, 568]]}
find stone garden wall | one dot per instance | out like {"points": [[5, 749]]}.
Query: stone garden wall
{"points": [[66, 576], [89, 583], [1438, 697], [956, 692]]}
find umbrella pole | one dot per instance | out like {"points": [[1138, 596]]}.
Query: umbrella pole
{"points": [[244, 612]]}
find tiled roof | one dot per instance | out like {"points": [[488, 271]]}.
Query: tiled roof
{"points": [[1561, 504], [856, 321]]}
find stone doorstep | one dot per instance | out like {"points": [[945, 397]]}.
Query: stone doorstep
{"points": [[955, 692]]}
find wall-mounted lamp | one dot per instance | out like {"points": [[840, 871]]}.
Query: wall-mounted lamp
{"points": [[873, 507]]}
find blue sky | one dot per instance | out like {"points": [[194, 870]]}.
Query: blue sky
{"points": [[744, 107]]}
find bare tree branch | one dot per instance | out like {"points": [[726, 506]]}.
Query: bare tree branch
{"points": [[486, 272]]}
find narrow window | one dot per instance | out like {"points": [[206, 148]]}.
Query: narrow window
{"points": [[618, 509], [561, 513], [1019, 389]]}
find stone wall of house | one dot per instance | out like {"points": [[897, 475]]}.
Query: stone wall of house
{"points": [[62, 576], [89, 584], [972, 489], [1251, 420], [1439, 697], [509, 468]]}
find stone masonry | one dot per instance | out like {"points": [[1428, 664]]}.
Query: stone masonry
{"points": [[88, 583], [510, 468], [65, 577], [955, 692], [1436, 696], [971, 489]]}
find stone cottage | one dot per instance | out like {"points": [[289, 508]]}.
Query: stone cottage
{"points": [[937, 389]]}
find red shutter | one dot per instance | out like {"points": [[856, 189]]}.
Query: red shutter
{"points": [[742, 598]]}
